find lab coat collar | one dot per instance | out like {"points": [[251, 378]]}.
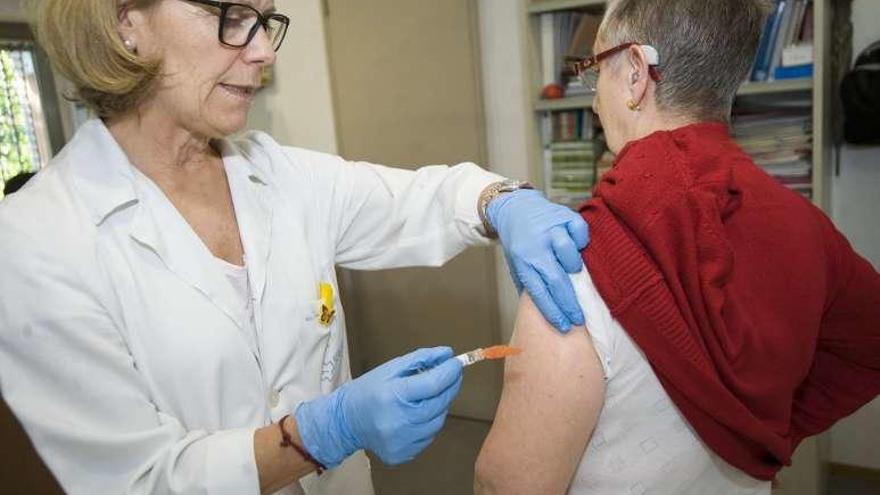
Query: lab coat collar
{"points": [[101, 170], [109, 183], [159, 226], [245, 160], [103, 173]]}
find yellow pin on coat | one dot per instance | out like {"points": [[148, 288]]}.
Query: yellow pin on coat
{"points": [[325, 292]]}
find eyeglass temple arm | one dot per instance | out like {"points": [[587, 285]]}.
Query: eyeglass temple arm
{"points": [[651, 56]]}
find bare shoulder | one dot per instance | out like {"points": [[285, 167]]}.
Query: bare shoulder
{"points": [[552, 396]]}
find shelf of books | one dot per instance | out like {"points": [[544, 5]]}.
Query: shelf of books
{"points": [[567, 103], [570, 155], [773, 116], [779, 140]]}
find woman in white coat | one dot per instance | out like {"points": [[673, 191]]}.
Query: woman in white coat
{"points": [[169, 318]]}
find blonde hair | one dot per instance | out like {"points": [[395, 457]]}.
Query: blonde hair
{"points": [[82, 41]]}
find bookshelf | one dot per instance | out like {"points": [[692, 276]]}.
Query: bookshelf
{"points": [[776, 87], [571, 103], [542, 6], [813, 94], [748, 89]]}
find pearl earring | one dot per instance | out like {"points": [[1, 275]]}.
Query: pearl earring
{"points": [[129, 45]]}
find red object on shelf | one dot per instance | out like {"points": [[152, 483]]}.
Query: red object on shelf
{"points": [[552, 92]]}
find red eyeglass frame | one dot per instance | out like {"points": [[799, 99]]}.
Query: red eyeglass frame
{"points": [[590, 62]]}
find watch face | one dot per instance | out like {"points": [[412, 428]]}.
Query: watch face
{"points": [[512, 185]]}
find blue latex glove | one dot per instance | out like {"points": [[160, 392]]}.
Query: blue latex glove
{"points": [[393, 411], [542, 241]]}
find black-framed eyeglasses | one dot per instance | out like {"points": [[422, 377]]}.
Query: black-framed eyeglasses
{"points": [[239, 24]]}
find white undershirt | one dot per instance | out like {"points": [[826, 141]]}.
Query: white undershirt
{"points": [[641, 443], [238, 279]]}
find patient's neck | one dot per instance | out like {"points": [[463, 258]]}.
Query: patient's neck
{"points": [[651, 119]]}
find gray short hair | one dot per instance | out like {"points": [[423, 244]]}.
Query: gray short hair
{"points": [[707, 48]]}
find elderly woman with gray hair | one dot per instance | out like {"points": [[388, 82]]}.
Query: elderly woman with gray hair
{"points": [[727, 319]]}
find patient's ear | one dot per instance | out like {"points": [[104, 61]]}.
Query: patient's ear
{"points": [[637, 78]]}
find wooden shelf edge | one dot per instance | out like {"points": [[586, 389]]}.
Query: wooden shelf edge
{"points": [[569, 103], [774, 87], [850, 471], [755, 88], [542, 6]]}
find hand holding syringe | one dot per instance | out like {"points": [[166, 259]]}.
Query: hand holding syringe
{"points": [[494, 352], [393, 410], [480, 354]]}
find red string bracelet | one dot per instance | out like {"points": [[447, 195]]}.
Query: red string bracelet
{"points": [[286, 441]]}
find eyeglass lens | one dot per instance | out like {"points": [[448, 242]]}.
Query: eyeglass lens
{"points": [[240, 25], [589, 78]]}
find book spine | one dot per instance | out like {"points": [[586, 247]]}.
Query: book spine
{"points": [[794, 72], [784, 25], [768, 42]]}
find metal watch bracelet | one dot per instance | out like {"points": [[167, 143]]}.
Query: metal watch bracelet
{"points": [[491, 192]]}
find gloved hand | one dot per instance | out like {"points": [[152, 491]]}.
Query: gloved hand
{"points": [[393, 411], [542, 241]]}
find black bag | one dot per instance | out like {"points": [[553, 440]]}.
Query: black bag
{"points": [[860, 91]]}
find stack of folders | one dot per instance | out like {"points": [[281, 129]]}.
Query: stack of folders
{"points": [[780, 143], [573, 166], [570, 157], [786, 47]]}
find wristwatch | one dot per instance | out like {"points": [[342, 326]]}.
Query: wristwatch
{"points": [[491, 192]]}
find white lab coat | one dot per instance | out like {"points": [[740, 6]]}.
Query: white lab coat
{"points": [[122, 349]]}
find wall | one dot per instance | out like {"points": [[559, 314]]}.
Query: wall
{"points": [[302, 84], [10, 11], [508, 117], [297, 108], [856, 209]]}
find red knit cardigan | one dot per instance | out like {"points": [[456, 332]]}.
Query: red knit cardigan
{"points": [[758, 318]]}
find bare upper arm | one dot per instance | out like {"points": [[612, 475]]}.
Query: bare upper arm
{"points": [[552, 396]]}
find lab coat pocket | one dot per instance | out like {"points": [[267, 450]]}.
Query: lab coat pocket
{"points": [[333, 364], [323, 343], [311, 312], [318, 313]]}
